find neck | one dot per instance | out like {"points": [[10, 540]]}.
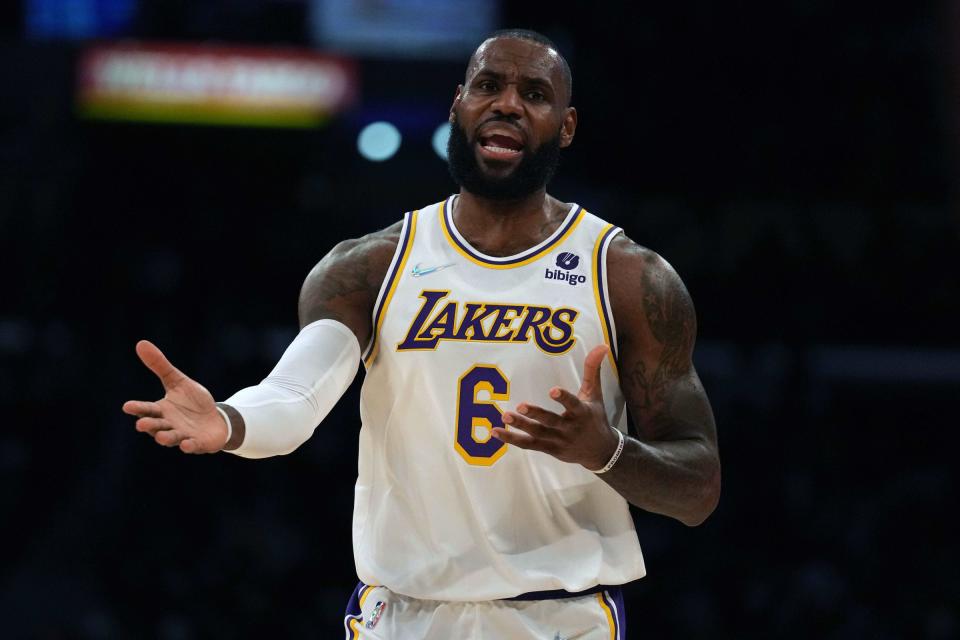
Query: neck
{"points": [[503, 228]]}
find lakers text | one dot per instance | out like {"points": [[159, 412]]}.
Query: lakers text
{"points": [[438, 319]]}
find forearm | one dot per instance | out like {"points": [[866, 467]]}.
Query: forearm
{"points": [[679, 478], [281, 420], [281, 413]]}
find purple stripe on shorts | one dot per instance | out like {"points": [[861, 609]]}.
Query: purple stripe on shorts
{"points": [[353, 611], [613, 597]]}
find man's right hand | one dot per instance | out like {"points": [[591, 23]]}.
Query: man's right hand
{"points": [[186, 416]]}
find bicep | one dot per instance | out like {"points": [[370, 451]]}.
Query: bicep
{"points": [[344, 285], [667, 407], [657, 330]]}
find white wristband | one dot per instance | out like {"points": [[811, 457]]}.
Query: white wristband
{"points": [[226, 419], [615, 456]]}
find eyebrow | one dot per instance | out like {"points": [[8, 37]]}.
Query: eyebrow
{"points": [[534, 80]]}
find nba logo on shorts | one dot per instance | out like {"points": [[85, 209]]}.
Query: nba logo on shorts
{"points": [[375, 615], [568, 261]]}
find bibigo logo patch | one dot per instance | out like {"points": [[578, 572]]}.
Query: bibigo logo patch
{"points": [[567, 262]]}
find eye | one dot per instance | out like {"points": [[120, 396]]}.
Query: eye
{"points": [[536, 96], [487, 85]]}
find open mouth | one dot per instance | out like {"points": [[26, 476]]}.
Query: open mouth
{"points": [[501, 144]]}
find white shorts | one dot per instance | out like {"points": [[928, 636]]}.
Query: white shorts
{"points": [[376, 613]]}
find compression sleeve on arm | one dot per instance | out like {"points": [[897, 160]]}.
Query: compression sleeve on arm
{"points": [[281, 412]]}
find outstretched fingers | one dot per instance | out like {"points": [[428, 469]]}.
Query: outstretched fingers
{"points": [[517, 438], [571, 402], [590, 388], [154, 360], [164, 434], [526, 432], [532, 427], [541, 415], [142, 409], [189, 445], [169, 438], [152, 425]]}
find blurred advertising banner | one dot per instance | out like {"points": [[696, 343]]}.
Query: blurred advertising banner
{"points": [[241, 86], [426, 29]]}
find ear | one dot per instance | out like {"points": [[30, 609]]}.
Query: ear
{"points": [[568, 127], [456, 100]]}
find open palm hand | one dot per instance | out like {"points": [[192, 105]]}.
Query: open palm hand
{"points": [[186, 416]]}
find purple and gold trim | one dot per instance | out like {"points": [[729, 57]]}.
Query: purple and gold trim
{"points": [[390, 284], [353, 620], [459, 243], [602, 294], [611, 601]]}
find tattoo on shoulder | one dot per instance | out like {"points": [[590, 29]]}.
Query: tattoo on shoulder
{"points": [[670, 314], [344, 285], [664, 302]]}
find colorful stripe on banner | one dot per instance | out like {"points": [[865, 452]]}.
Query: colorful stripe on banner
{"points": [[468, 252], [209, 84]]}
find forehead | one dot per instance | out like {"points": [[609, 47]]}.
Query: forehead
{"points": [[515, 57]]}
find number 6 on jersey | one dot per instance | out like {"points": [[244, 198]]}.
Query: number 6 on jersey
{"points": [[476, 418]]}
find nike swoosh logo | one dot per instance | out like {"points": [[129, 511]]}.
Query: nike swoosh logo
{"points": [[416, 272]]}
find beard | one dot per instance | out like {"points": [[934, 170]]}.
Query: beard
{"points": [[532, 173]]}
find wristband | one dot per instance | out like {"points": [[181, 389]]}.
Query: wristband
{"points": [[615, 456], [226, 419]]}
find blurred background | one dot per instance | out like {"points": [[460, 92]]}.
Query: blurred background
{"points": [[173, 170]]}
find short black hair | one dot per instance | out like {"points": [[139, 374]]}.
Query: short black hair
{"points": [[539, 38]]}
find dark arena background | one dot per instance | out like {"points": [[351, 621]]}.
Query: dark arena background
{"points": [[795, 161]]}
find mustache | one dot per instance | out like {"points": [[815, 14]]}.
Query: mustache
{"points": [[498, 118]]}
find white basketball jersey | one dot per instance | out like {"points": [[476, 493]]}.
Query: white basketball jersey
{"points": [[444, 511]]}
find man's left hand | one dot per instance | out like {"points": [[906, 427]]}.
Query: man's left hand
{"points": [[581, 434]]}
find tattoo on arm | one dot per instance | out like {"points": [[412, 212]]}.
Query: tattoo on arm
{"points": [[673, 466], [657, 328], [345, 284], [335, 280], [668, 312], [671, 317]]}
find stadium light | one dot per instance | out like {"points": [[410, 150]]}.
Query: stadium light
{"points": [[440, 137], [378, 141]]}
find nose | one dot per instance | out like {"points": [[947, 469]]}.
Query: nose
{"points": [[508, 102]]}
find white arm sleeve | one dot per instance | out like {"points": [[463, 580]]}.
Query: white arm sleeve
{"points": [[281, 412]]}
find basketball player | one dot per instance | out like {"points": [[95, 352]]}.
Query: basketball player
{"points": [[505, 336]]}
